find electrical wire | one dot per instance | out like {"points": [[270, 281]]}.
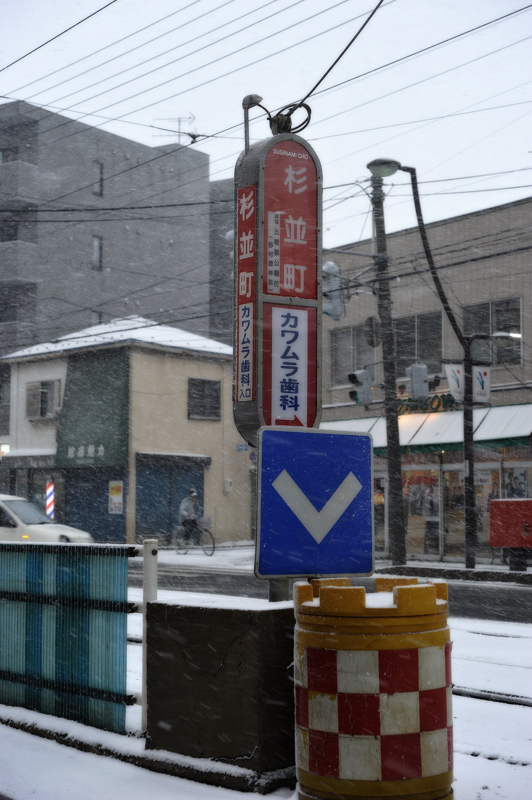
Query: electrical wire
{"points": [[210, 63], [2, 69], [416, 121], [107, 46], [335, 62], [438, 44], [172, 49], [441, 180]]}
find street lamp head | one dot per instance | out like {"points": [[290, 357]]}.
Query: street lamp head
{"points": [[383, 167], [251, 100]]}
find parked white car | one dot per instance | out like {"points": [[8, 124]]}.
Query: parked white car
{"points": [[22, 521]]}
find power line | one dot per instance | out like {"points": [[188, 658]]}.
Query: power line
{"points": [[56, 36], [210, 63], [441, 180], [416, 121], [335, 62], [106, 47], [423, 50], [382, 67], [172, 49], [470, 191]]}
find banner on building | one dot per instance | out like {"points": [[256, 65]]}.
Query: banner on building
{"points": [[455, 378], [481, 383]]}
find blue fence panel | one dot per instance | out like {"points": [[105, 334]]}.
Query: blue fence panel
{"points": [[63, 631]]}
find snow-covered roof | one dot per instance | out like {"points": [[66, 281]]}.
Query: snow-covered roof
{"points": [[128, 329]]}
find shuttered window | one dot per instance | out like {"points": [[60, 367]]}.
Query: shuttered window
{"points": [[43, 399], [204, 399]]}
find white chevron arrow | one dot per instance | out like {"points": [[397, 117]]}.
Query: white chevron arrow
{"points": [[317, 523]]}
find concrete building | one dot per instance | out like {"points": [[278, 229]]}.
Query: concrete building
{"points": [[221, 260], [483, 260], [67, 259], [125, 417]]}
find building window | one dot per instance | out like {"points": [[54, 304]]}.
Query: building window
{"points": [[97, 186], [97, 252], [96, 318], [349, 352], [43, 399], [8, 230], [418, 338], [502, 316], [204, 399], [8, 154]]}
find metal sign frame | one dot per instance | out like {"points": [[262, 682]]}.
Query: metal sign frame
{"points": [[249, 413]]}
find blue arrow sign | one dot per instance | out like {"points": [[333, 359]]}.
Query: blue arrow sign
{"points": [[315, 509]]}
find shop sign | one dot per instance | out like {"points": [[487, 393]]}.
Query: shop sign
{"points": [[277, 286], [116, 497], [438, 402], [481, 478]]}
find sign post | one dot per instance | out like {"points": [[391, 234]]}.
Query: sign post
{"points": [[277, 361]]}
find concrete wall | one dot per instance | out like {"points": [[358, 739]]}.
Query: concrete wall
{"points": [[160, 424], [220, 686]]}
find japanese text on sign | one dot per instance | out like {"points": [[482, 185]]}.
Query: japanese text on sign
{"points": [[289, 364], [290, 246], [246, 254]]}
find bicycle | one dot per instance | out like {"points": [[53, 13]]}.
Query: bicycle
{"points": [[201, 536]]}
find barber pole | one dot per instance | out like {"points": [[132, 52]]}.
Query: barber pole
{"points": [[50, 499]]}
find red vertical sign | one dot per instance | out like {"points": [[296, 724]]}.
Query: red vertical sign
{"points": [[290, 203], [245, 254], [277, 288]]}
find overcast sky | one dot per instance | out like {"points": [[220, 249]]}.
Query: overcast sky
{"points": [[205, 56]]}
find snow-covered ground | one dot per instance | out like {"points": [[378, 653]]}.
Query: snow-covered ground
{"points": [[240, 557], [493, 740]]}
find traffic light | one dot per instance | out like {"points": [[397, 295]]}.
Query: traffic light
{"points": [[333, 303], [362, 394], [419, 381]]}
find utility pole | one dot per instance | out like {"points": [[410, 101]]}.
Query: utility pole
{"points": [[381, 168]]}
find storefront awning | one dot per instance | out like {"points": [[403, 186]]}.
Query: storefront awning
{"points": [[502, 424]]}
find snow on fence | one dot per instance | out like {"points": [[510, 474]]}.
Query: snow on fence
{"points": [[63, 630]]}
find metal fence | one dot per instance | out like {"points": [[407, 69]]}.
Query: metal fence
{"points": [[63, 630]]}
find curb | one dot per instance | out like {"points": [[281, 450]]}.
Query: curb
{"points": [[204, 771]]}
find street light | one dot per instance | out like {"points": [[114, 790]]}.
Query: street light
{"points": [[249, 101], [385, 168], [382, 168]]}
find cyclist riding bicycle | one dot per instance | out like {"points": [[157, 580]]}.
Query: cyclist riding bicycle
{"points": [[189, 513]]}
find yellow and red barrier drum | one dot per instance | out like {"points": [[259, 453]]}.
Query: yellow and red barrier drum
{"points": [[373, 690]]}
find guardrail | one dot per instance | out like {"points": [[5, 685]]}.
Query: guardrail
{"points": [[63, 629]]}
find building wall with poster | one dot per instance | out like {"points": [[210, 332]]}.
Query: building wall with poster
{"points": [[144, 414]]}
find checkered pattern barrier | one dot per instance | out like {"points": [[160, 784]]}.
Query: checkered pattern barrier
{"points": [[374, 715]]}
